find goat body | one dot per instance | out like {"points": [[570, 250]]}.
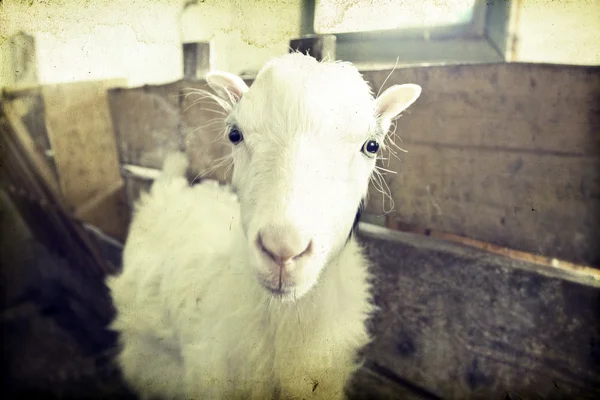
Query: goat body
{"points": [[194, 320]]}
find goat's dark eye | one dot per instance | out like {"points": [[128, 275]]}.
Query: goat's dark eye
{"points": [[235, 136], [370, 148]]}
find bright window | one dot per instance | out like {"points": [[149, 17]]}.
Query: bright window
{"points": [[345, 16]]}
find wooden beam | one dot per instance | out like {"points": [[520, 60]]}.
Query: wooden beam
{"points": [[319, 46], [459, 322]]}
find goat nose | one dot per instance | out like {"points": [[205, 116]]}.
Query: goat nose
{"points": [[283, 245]]}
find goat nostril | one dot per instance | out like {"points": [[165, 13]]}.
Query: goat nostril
{"points": [[306, 251], [264, 249], [280, 251]]}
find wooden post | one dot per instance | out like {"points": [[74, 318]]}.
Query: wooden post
{"points": [[23, 57], [196, 45], [318, 46], [196, 59]]}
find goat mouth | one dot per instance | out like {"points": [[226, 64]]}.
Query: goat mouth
{"points": [[276, 291]]}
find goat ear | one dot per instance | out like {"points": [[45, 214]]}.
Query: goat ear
{"points": [[227, 86], [395, 100]]}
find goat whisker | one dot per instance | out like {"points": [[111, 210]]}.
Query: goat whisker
{"points": [[384, 189], [386, 170], [388, 77], [201, 127], [220, 162]]}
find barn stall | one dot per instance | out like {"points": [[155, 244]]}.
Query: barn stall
{"points": [[488, 267]]}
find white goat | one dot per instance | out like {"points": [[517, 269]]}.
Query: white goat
{"points": [[266, 297]]}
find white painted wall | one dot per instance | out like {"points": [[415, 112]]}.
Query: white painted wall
{"points": [[140, 40], [556, 31]]}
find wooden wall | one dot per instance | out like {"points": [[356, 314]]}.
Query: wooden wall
{"points": [[71, 131], [150, 121], [504, 153], [459, 323]]}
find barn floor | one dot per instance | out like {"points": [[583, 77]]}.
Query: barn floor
{"points": [[54, 344]]}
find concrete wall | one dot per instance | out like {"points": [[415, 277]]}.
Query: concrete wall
{"points": [[140, 40]]}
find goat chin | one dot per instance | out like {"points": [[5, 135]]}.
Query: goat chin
{"points": [[194, 321]]}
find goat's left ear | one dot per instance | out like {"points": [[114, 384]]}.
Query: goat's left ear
{"points": [[227, 86], [395, 100]]}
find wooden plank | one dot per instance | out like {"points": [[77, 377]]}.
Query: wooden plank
{"points": [[535, 80], [146, 121], [495, 132], [584, 271], [108, 211], [203, 128], [152, 120], [35, 194], [506, 153], [81, 135], [84, 148], [28, 104], [540, 204], [462, 323], [40, 168]]}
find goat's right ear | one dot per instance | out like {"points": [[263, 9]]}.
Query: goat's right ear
{"points": [[395, 100], [227, 86]]}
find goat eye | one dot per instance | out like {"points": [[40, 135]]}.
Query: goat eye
{"points": [[235, 136], [370, 148]]}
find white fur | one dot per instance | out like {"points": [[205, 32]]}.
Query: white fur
{"points": [[194, 317]]}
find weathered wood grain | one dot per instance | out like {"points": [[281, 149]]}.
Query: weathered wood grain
{"points": [[505, 153], [545, 263], [147, 122], [539, 204], [31, 186], [83, 144], [180, 117], [81, 136], [203, 128], [70, 131], [462, 323], [154, 120]]}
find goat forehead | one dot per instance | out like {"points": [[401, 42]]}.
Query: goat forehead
{"points": [[295, 92], [299, 159], [297, 68]]}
